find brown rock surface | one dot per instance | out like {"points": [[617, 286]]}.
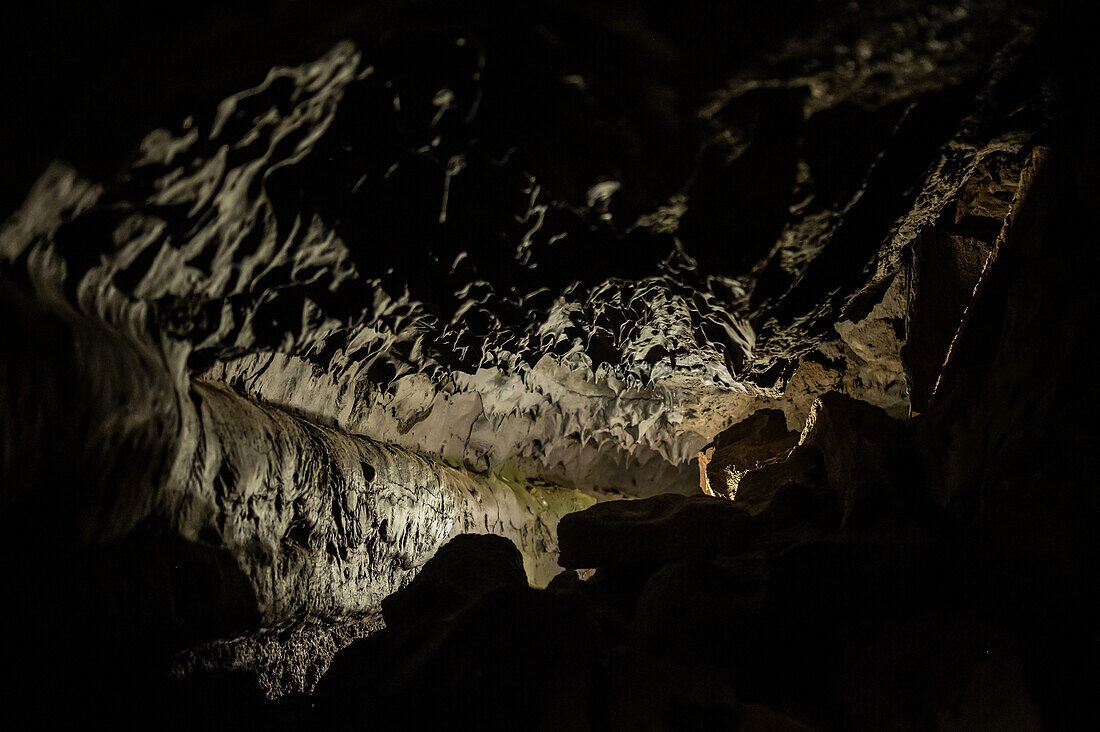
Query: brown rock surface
{"points": [[758, 438], [803, 466]]}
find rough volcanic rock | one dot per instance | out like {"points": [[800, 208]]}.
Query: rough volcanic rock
{"points": [[663, 528], [998, 433], [789, 633], [468, 272], [289, 662], [870, 350], [283, 662], [741, 448], [386, 239], [850, 453], [668, 627], [183, 512], [949, 262], [847, 447], [322, 523]]}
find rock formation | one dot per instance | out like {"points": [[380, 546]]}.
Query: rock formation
{"points": [[760, 437], [335, 334]]}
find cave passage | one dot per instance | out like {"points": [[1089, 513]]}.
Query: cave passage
{"points": [[580, 366]]}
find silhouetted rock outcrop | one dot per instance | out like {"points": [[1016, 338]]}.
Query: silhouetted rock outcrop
{"points": [[465, 568]]}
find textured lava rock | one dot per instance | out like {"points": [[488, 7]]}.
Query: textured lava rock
{"points": [[949, 262], [743, 447], [788, 631], [851, 455], [387, 238], [322, 524], [280, 663], [804, 467], [273, 359], [1004, 397]]}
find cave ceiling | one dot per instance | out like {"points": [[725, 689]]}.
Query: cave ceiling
{"points": [[572, 246]]}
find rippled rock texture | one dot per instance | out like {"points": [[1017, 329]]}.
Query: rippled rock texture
{"points": [[442, 270], [579, 253]]}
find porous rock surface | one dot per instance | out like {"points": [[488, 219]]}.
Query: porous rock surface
{"points": [[282, 662], [703, 614]]}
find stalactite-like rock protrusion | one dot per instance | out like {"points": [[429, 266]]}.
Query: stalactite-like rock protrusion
{"points": [[453, 241], [318, 523], [326, 524]]}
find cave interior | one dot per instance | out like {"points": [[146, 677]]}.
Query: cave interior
{"points": [[557, 366]]}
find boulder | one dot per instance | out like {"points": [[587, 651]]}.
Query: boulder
{"points": [[760, 437], [804, 466], [664, 528], [516, 658], [696, 613], [861, 444], [465, 568], [787, 503]]}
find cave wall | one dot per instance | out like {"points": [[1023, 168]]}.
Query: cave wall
{"points": [[473, 273], [330, 240]]}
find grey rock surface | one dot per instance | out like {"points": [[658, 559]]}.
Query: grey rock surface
{"points": [[273, 234]]}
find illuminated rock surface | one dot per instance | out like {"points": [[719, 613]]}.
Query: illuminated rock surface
{"points": [[443, 271], [760, 437]]}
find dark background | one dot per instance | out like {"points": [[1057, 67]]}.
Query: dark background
{"points": [[84, 81]]}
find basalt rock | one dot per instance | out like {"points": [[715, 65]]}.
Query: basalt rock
{"points": [[322, 523], [763, 629], [283, 663], [395, 239], [847, 448], [949, 262], [671, 528], [458, 660], [803, 467], [183, 512], [660, 529]]}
